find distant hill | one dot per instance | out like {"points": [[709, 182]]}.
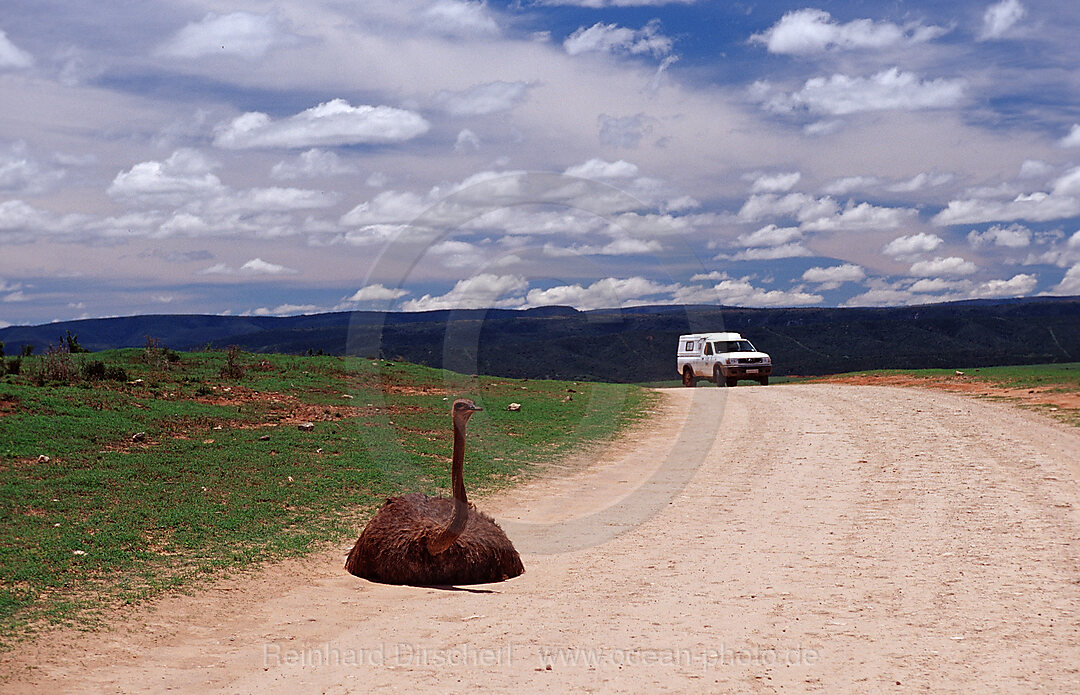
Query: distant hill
{"points": [[633, 344]]}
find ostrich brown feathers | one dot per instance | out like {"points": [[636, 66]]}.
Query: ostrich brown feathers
{"points": [[422, 540]]}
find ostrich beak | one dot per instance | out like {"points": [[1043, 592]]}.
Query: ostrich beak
{"points": [[475, 407]]}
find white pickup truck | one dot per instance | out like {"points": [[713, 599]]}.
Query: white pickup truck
{"points": [[722, 358]]}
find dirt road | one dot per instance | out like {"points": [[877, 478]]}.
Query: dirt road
{"points": [[820, 538]]}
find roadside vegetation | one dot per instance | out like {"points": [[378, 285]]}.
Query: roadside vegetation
{"points": [[128, 473]]}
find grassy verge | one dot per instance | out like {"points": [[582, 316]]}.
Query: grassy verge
{"points": [[115, 491]]}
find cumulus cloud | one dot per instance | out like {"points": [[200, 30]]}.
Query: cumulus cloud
{"points": [[741, 292], [256, 266], [841, 95], [185, 174], [600, 169], [21, 174], [766, 253], [482, 291], [1014, 236], [856, 216], [376, 293], [951, 266], [606, 293], [1072, 139], [832, 277], [912, 245], [460, 18], [1001, 17], [770, 235], [1017, 286], [612, 38], [598, 4], [775, 183], [810, 30], [847, 184], [1063, 200], [619, 247], [239, 33], [466, 140], [482, 99], [11, 56], [388, 207], [312, 164], [286, 310], [1070, 284], [331, 123]]}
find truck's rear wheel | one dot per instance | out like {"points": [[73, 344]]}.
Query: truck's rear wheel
{"points": [[688, 377]]}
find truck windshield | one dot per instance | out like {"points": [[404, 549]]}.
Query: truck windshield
{"points": [[735, 346]]}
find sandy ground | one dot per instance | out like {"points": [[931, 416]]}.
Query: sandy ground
{"points": [[811, 538]]}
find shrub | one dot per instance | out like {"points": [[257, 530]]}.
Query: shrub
{"points": [[55, 365], [158, 356], [71, 342], [232, 369], [14, 365], [97, 370]]}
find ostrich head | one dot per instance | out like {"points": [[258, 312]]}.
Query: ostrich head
{"points": [[463, 410]]}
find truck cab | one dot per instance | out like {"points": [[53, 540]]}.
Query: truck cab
{"points": [[723, 358]]}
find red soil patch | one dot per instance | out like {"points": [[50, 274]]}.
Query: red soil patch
{"points": [[1042, 395], [7, 406], [279, 408]]}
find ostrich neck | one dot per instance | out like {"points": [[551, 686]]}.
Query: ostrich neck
{"points": [[461, 500]]}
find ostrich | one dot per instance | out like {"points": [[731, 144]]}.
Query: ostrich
{"points": [[410, 540]]}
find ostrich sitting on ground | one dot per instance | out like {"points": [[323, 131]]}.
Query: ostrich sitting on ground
{"points": [[421, 540]]}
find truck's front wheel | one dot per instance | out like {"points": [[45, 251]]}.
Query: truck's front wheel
{"points": [[764, 381], [717, 375], [688, 377]]}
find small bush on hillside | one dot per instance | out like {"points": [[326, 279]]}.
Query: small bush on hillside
{"points": [[158, 356], [232, 369], [55, 365], [97, 370]]}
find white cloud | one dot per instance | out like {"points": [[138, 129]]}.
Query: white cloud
{"points": [[256, 266], [598, 4], [951, 266], [918, 182], [770, 235], [912, 244], [833, 277], [619, 247], [775, 183], [482, 99], [466, 140], [810, 30], [861, 216], [331, 123], [841, 95], [611, 38], [846, 185], [1036, 169], [376, 293], [482, 291], [742, 293], [765, 253], [386, 207], [11, 56], [238, 33], [459, 18], [311, 164], [287, 310], [1072, 139], [606, 293], [185, 174], [1017, 286], [600, 169], [1001, 17], [1070, 284], [21, 174], [1014, 236], [1063, 201]]}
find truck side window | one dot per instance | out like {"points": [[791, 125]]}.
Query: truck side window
{"points": [[689, 347], [708, 348]]}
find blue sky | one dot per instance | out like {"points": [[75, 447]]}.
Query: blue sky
{"points": [[279, 157]]}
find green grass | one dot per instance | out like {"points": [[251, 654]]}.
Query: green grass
{"points": [[107, 521]]}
